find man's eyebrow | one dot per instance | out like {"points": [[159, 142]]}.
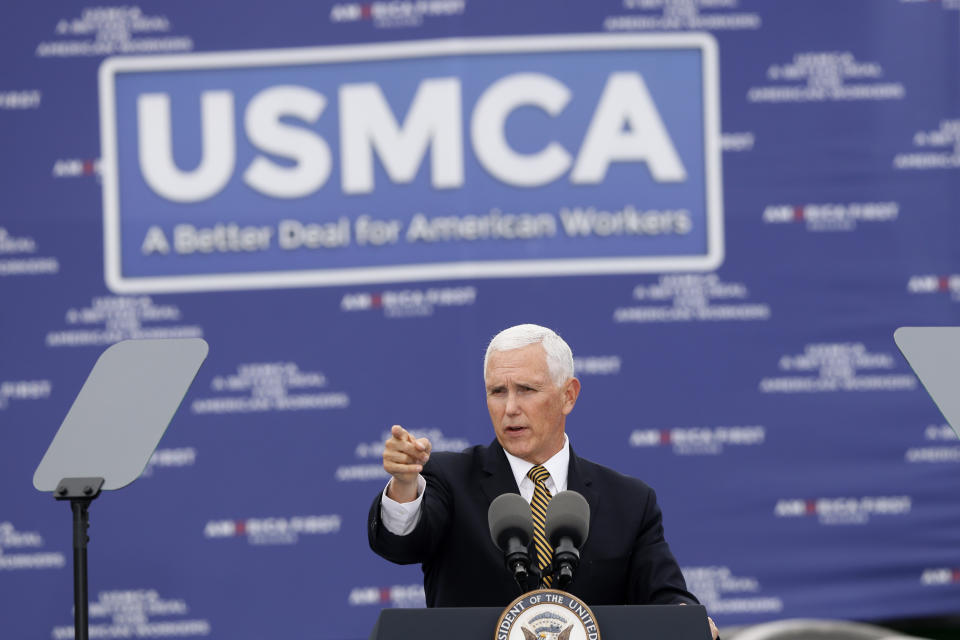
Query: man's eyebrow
{"points": [[526, 384]]}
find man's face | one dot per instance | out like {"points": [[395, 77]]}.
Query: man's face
{"points": [[527, 409]]}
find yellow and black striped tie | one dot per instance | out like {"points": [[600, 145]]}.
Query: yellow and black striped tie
{"points": [[541, 498]]}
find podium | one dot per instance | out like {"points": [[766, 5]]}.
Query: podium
{"points": [[628, 622]]}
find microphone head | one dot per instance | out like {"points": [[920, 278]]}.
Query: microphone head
{"points": [[509, 516], [568, 514]]}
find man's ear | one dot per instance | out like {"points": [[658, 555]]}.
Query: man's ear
{"points": [[571, 390]]}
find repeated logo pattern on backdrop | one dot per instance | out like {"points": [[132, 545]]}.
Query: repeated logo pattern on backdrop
{"points": [[726, 207]]}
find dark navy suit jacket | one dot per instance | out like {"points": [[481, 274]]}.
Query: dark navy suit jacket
{"points": [[625, 559]]}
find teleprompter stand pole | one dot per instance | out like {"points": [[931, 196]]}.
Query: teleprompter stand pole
{"points": [[80, 492]]}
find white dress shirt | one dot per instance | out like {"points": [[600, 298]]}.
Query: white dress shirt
{"points": [[400, 518]]}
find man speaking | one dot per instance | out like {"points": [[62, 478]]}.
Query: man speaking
{"points": [[434, 508]]}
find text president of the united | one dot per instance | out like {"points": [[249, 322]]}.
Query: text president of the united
{"points": [[434, 508]]}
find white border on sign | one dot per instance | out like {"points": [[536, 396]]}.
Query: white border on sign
{"points": [[415, 272]]}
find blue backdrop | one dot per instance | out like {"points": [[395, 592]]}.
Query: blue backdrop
{"points": [[726, 207]]}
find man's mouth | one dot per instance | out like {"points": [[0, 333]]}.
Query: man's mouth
{"points": [[515, 429]]}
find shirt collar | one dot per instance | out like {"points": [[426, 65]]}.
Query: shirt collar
{"points": [[558, 466]]}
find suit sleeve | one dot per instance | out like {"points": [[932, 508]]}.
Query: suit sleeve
{"points": [[655, 576], [420, 544]]}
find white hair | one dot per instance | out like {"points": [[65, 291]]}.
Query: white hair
{"points": [[559, 355]]}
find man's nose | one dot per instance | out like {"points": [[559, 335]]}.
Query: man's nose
{"points": [[513, 407]]}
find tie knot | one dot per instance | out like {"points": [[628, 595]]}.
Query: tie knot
{"points": [[538, 473]]}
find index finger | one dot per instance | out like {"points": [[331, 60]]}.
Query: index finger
{"points": [[423, 444]]}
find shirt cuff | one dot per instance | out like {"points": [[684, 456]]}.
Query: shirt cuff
{"points": [[400, 518]]}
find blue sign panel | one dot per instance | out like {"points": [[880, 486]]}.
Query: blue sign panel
{"points": [[802, 469], [429, 160]]}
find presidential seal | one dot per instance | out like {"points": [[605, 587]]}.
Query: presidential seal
{"points": [[547, 614]]}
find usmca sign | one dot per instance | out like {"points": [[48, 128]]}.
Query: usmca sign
{"points": [[467, 158]]}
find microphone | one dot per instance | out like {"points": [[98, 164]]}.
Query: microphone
{"points": [[511, 527], [567, 526]]}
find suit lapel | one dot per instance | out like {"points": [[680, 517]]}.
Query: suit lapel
{"points": [[498, 478], [580, 479], [497, 475]]}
